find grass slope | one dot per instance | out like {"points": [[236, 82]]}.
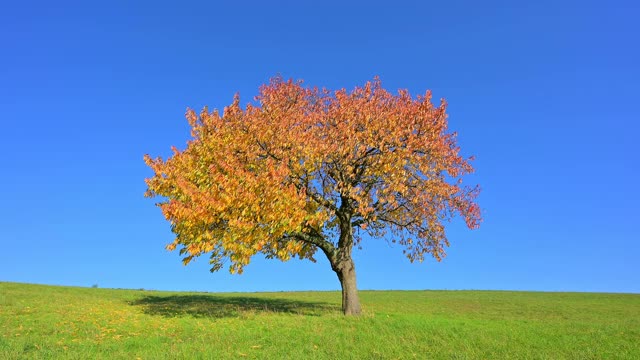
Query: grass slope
{"points": [[38, 321]]}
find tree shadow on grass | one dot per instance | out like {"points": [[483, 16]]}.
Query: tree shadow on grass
{"points": [[215, 306]]}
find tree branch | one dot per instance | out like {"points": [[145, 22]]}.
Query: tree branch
{"points": [[319, 241]]}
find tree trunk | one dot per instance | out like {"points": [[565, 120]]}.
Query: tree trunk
{"points": [[347, 274]]}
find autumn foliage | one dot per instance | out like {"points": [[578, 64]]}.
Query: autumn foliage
{"points": [[305, 169]]}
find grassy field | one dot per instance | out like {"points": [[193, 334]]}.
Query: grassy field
{"points": [[38, 321]]}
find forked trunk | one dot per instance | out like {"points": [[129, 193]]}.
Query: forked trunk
{"points": [[347, 274]]}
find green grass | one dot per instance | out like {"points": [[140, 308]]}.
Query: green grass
{"points": [[38, 321]]}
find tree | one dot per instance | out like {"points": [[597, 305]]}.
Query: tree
{"points": [[304, 169]]}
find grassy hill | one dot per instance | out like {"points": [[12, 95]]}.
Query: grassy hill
{"points": [[38, 321]]}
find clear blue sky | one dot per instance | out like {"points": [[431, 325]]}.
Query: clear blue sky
{"points": [[544, 93]]}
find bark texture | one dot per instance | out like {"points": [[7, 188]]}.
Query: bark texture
{"points": [[346, 272], [342, 262]]}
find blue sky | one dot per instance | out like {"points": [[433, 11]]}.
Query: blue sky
{"points": [[543, 93]]}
